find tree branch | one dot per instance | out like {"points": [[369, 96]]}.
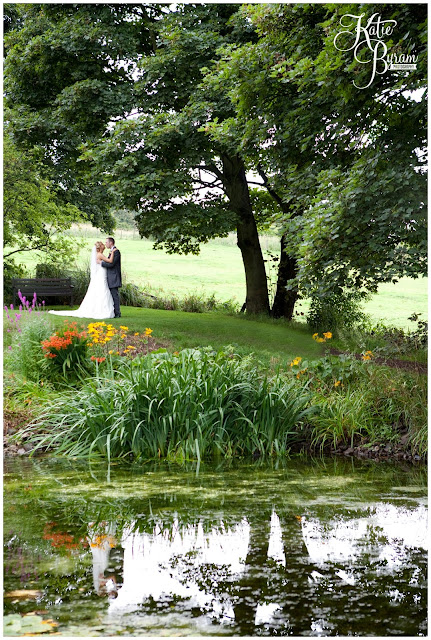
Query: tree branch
{"points": [[37, 247]]}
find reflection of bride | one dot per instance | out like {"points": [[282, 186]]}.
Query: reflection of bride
{"points": [[98, 303]]}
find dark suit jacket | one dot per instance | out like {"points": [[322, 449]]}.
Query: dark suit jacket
{"points": [[114, 271]]}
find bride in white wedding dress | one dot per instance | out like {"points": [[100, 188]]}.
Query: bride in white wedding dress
{"points": [[98, 302]]}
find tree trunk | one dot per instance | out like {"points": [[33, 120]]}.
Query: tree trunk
{"points": [[236, 188], [284, 301]]}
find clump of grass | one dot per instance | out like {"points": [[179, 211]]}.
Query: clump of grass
{"points": [[376, 409], [193, 302], [191, 405]]}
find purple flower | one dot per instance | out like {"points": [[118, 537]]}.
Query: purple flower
{"points": [[5, 308], [8, 330], [20, 307], [43, 301], [17, 316], [11, 306], [10, 348]]}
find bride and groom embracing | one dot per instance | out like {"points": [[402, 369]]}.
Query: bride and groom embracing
{"points": [[102, 299]]}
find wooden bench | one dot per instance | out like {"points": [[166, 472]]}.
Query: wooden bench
{"points": [[43, 287]]}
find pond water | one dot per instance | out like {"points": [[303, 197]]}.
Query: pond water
{"points": [[300, 547]]}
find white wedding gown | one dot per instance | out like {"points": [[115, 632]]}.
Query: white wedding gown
{"points": [[98, 303]]}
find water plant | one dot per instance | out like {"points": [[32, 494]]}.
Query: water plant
{"points": [[192, 404]]}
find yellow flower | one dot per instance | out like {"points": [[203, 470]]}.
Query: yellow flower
{"points": [[337, 383], [148, 331], [124, 328], [320, 340], [123, 335], [136, 334], [295, 361], [328, 335], [315, 335], [131, 347], [369, 353], [366, 358], [110, 352]]}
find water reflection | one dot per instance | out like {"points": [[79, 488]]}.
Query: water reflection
{"points": [[299, 549], [238, 576]]}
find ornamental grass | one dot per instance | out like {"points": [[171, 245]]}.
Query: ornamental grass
{"points": [[190, 405]]}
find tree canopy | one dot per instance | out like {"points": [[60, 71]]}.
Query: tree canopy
{"points": [[33, 218], [167, 111]]}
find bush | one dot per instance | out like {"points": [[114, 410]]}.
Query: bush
{"points": [[335, 311], [190, 405], [11, 270], [24, 355], [80, 279]]}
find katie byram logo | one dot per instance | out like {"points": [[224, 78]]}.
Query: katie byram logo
{"points": [[366, 41]]}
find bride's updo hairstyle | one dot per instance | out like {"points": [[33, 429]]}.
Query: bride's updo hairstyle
{"points": [[100, 246]]}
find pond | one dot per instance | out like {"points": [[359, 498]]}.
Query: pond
{"points": [[298, 547]]}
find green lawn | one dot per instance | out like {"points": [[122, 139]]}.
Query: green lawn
{"points": [[273, 342], [219, 270]]}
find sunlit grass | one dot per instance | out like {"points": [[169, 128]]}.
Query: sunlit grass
{"points": [[219, 270]]}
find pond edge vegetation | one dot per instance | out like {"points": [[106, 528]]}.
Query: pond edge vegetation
{"points": [[201, 403]]}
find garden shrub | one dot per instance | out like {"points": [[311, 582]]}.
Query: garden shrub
{"points": [[335, 311]]}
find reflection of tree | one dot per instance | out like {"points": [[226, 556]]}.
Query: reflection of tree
{"points": [[253, 582], [339, 593]]}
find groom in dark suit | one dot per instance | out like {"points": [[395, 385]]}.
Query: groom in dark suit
{"points": [[114, 275]]}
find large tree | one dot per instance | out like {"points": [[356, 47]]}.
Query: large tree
{"points": [[345, 164], [170, 109], [97, 64]]}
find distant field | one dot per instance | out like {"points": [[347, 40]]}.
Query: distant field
{"points": [[219, 270]]}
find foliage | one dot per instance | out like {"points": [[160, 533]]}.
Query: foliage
{"points": [[11, 270], [378, 406], [24, 353], [193, 302], [348, 165], [336, 310], [397, 341], [328, 372], [66, 353], [223, 89], [15, 624], [191, 404], [34, 219]]}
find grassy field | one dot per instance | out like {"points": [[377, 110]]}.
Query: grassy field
{"points": [[219, 270], [273, 342]]}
